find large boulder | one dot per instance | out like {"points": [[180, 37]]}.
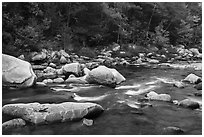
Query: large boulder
{"points": [[101, 75], [192, 78], [104, 76], [37, 113], [16, 72], [72, 68]]}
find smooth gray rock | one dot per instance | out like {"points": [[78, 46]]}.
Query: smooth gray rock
{"points": [[187, 103], [154, 96], [73, 68], [38, 67], [63, 60], [37, 113], [16, 72], [52, 65], [58, 80], [14, 123], [39, 57], [104, 76], [87, 122], [63, 53], [172, 130], [22, 57], [179, 84], [101, 75], [47, 81], [192, 78], [49, 70]]}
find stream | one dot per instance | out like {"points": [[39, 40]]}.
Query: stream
{"points": [[124, 114]]}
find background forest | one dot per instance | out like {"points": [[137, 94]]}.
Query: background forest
{"points": [[93, 26]]}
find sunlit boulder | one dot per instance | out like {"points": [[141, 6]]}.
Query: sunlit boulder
{"points": [[37, 113], [16, 72]]}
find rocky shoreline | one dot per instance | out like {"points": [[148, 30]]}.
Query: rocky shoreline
{"points": [[59, 67]]}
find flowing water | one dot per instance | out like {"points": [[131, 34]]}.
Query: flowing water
{"points": [[126, 110]]}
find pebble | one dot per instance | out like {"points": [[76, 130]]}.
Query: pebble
{"points": [[87, 122], [52, 65]]}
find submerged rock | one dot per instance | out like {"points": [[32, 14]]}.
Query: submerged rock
{"points": [[37, 113], [78, 80], [154, 96], [172, 131], [198, 86], [14, 123], [16, 72], [41, 84], [189, 104], [198, 93], [192, 78], [83, 99], [153, 61], [87, 122]]}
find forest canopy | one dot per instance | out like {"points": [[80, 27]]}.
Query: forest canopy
{"points": [[32, 26]]}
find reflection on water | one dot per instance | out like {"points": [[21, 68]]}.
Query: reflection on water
{"points": [[126, 110]]}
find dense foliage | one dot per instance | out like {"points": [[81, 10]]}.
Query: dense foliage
{"points": [[70, 26]]}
